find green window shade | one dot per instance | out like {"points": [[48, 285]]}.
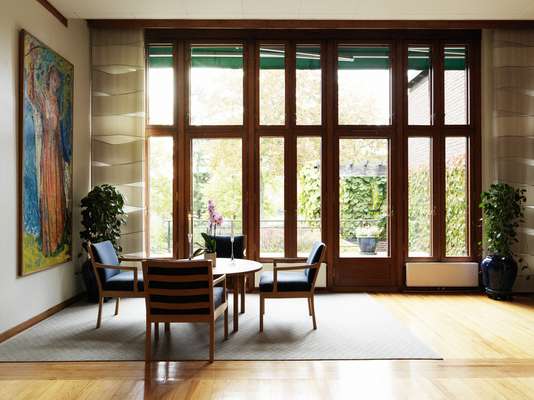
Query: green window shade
{"points": [[160, 57], [272, 57], [308, 57], [228, 57], [363, 57]]}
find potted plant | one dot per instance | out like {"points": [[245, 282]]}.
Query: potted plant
{"points": [[367, 237], [102, 217], [503, 210]]}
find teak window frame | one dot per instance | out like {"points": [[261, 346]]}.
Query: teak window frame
{"points": [[342, 273]]}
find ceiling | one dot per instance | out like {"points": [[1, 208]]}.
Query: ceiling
{"points": [[297, 9]]}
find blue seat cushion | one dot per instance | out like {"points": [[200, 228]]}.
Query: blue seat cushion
{"points": [[104, 253], [314, 257], [218, 299], [124, 281], [287, 281]]}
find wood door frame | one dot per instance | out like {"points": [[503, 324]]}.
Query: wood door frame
{"points": [[397, 133]]}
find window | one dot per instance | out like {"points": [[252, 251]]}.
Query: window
{"points": [[272, 207], [160, 85], [363, 197], [420, 197], [456, 89], [364, 85], [216, 85], [456, 198], [308, 193], [160, 180], [272, 85], [216, 176], [309, 85], [419, 86]]}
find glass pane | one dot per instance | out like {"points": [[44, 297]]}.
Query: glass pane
{"points": [[272, 197], [456, 196], [363, 197], [216, 85], [217, 176], [308, 193], [456, 91], [272, 85], [308, 85], [160, 85], [160, 180], [364, 85], [419, 86], [419, 197]]}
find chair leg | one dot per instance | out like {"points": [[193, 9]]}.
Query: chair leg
{"points": [[313, 312], [212, 341], [262, 311], [243, 290], [99, 317], [309, 306], [226, 323], [148, 342], [117, 306], [167, 327], [156, 331]]}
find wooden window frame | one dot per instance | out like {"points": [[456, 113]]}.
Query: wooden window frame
{"points": [[397, 133]]}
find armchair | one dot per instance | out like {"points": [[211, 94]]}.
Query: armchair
{"points": [[183, 291], [113, 279], [286, 282]]}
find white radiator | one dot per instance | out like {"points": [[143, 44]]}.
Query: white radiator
{"points": [[320, 282], [441, 274]]}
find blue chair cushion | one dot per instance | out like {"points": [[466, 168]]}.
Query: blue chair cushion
{"points": [[124, 281], [223, 246], [287, 281], [218, 299], [314, 257], [104, 253]]}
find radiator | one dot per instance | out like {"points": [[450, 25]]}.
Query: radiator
{"points": [[442, 274]]}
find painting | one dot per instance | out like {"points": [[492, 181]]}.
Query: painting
{"points": [[45, 152]]}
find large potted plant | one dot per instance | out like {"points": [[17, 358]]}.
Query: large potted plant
{"points": [[102, 217], [368, 238], [503, 210]]}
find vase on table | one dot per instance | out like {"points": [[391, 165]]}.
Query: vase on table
{"points": [[212, 257]]}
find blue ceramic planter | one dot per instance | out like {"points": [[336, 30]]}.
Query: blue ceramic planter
{"points": [[498, 275], [367, 244]]}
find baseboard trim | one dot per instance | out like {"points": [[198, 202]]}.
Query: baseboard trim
{"points": [[39, 317]]}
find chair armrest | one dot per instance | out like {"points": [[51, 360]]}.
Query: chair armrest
{"points": [[291, 267], [220, 279], [123, 268], [287, 260], [132, 259]]}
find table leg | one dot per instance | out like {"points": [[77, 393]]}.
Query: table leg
{"points": [[243, 290], [236, 302]]}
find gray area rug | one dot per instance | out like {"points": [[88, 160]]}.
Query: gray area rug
{"points": [[350, 327]]}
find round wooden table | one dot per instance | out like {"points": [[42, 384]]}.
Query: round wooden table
{"points": [[236, 270]]}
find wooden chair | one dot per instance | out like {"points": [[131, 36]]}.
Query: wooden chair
{"points": [[113, 279], [224, 250], [280, 284], [183, 291]]}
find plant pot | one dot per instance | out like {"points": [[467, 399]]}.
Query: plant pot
{"points": [[212, 257], [89, 279], [498, 276], [367, 245]]}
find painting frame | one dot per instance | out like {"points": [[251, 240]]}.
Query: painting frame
{"points": [[50, 155]]}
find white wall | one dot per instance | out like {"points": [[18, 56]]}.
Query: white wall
{"points": [[23, 298]]}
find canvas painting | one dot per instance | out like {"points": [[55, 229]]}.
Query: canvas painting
{"points": [[45, 155]]}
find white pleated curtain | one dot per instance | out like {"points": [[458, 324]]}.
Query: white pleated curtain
{"points": [[513, 128], [118, 123]]}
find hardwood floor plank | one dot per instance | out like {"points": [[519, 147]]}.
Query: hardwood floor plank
{"points": [[487, 348]]}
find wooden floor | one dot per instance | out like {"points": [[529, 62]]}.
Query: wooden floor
{"points": [[487, 346]]}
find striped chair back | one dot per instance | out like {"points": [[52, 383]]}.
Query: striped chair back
{"points": [[178, 290]]}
